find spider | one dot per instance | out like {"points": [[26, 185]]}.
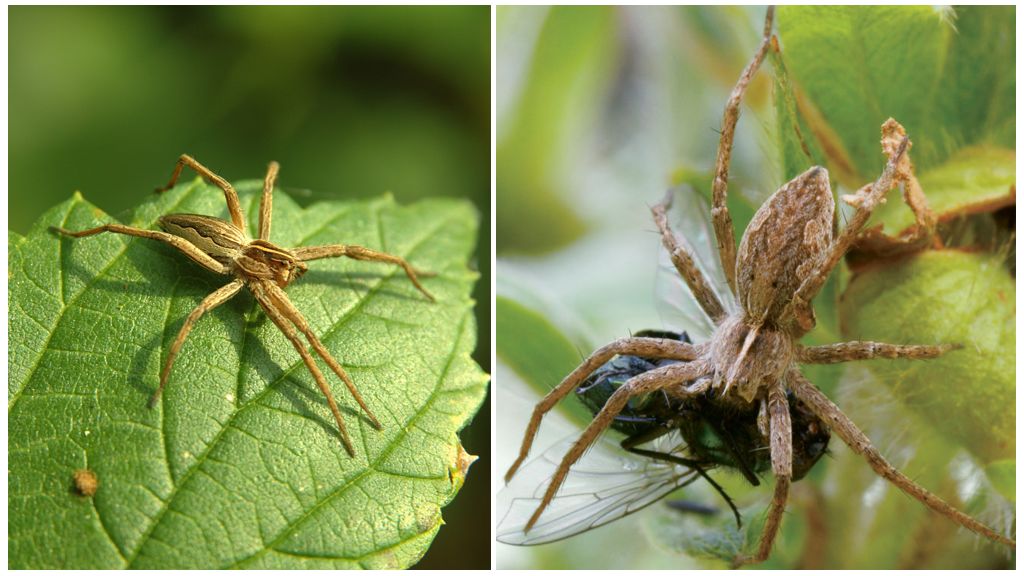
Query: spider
{"points": [[751, 361], [265, 268]]}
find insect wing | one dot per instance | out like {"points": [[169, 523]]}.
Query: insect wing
{"points": [[690, 218], [606, 484]]}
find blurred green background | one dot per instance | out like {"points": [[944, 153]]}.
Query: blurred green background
{"points": [[352, 101], [601, 109]]}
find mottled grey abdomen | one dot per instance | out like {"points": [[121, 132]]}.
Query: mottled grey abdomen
{"points": [[783, 244]]}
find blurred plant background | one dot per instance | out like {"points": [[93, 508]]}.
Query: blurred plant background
{"points": [[601, 109], [352, 101]]}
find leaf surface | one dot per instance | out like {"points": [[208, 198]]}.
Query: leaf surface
{"points": [[240, 464], [936, 297], [539, 352], [947, 75], [570, 60]]}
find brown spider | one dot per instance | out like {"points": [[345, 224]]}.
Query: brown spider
{"points": [[785, 256], [225, 248]]}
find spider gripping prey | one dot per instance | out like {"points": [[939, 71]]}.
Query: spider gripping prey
{"points": [[266, 269], [710, 433], [750, 364]]}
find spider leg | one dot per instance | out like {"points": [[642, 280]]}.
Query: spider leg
{"points": [[186, 247], [874, 241], [214, 299], [721, 218], [267, 200], [234, 208], [800, 304], [858, 350], [675, 374], [285, 306], [682, 256], [645, 347], [259, 291], [781, 439], [307, 253], [630, 445], [859, 443]]}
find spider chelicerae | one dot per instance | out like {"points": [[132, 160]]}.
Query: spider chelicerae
{"points": [[266, 269], [752, 358]]}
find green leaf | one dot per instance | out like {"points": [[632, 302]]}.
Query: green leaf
{"points": [[977, 179], [240, 464], [1003, 475], [797, 149], [947, 76], [924, 453], [717, 541], [938, 297], [538, 352], [572, 60]]}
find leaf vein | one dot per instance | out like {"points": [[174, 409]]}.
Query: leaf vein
{"points": [[64, 307], [372, 467], [105, 530]]}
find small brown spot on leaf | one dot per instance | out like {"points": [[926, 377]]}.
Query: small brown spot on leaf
{"points": [[86, 482]]}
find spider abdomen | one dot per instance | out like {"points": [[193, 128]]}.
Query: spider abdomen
{"points": [[218, 238], [782, 245]]}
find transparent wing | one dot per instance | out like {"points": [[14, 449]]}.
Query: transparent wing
{"points": [[606, 484], [690, 218]]}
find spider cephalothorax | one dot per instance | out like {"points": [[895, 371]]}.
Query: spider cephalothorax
{"points": [[750, 364], [261, 259]]}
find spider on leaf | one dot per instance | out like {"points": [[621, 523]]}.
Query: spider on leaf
{"points": [[266, 269], [751, 361]]}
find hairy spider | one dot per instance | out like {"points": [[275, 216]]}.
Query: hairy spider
{"points": [[226, 248], [751, 360]]}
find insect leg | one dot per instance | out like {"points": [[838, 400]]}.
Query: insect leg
{"points": [[650, 381], [861, 444], [259, 292], [858, 350], [266, 202], [644, 347], [216, 298], [682, 257], [724, 232], [742, 459], [280, 299], [307, 253], [186, 247], [234, 208], [630, 445]]}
